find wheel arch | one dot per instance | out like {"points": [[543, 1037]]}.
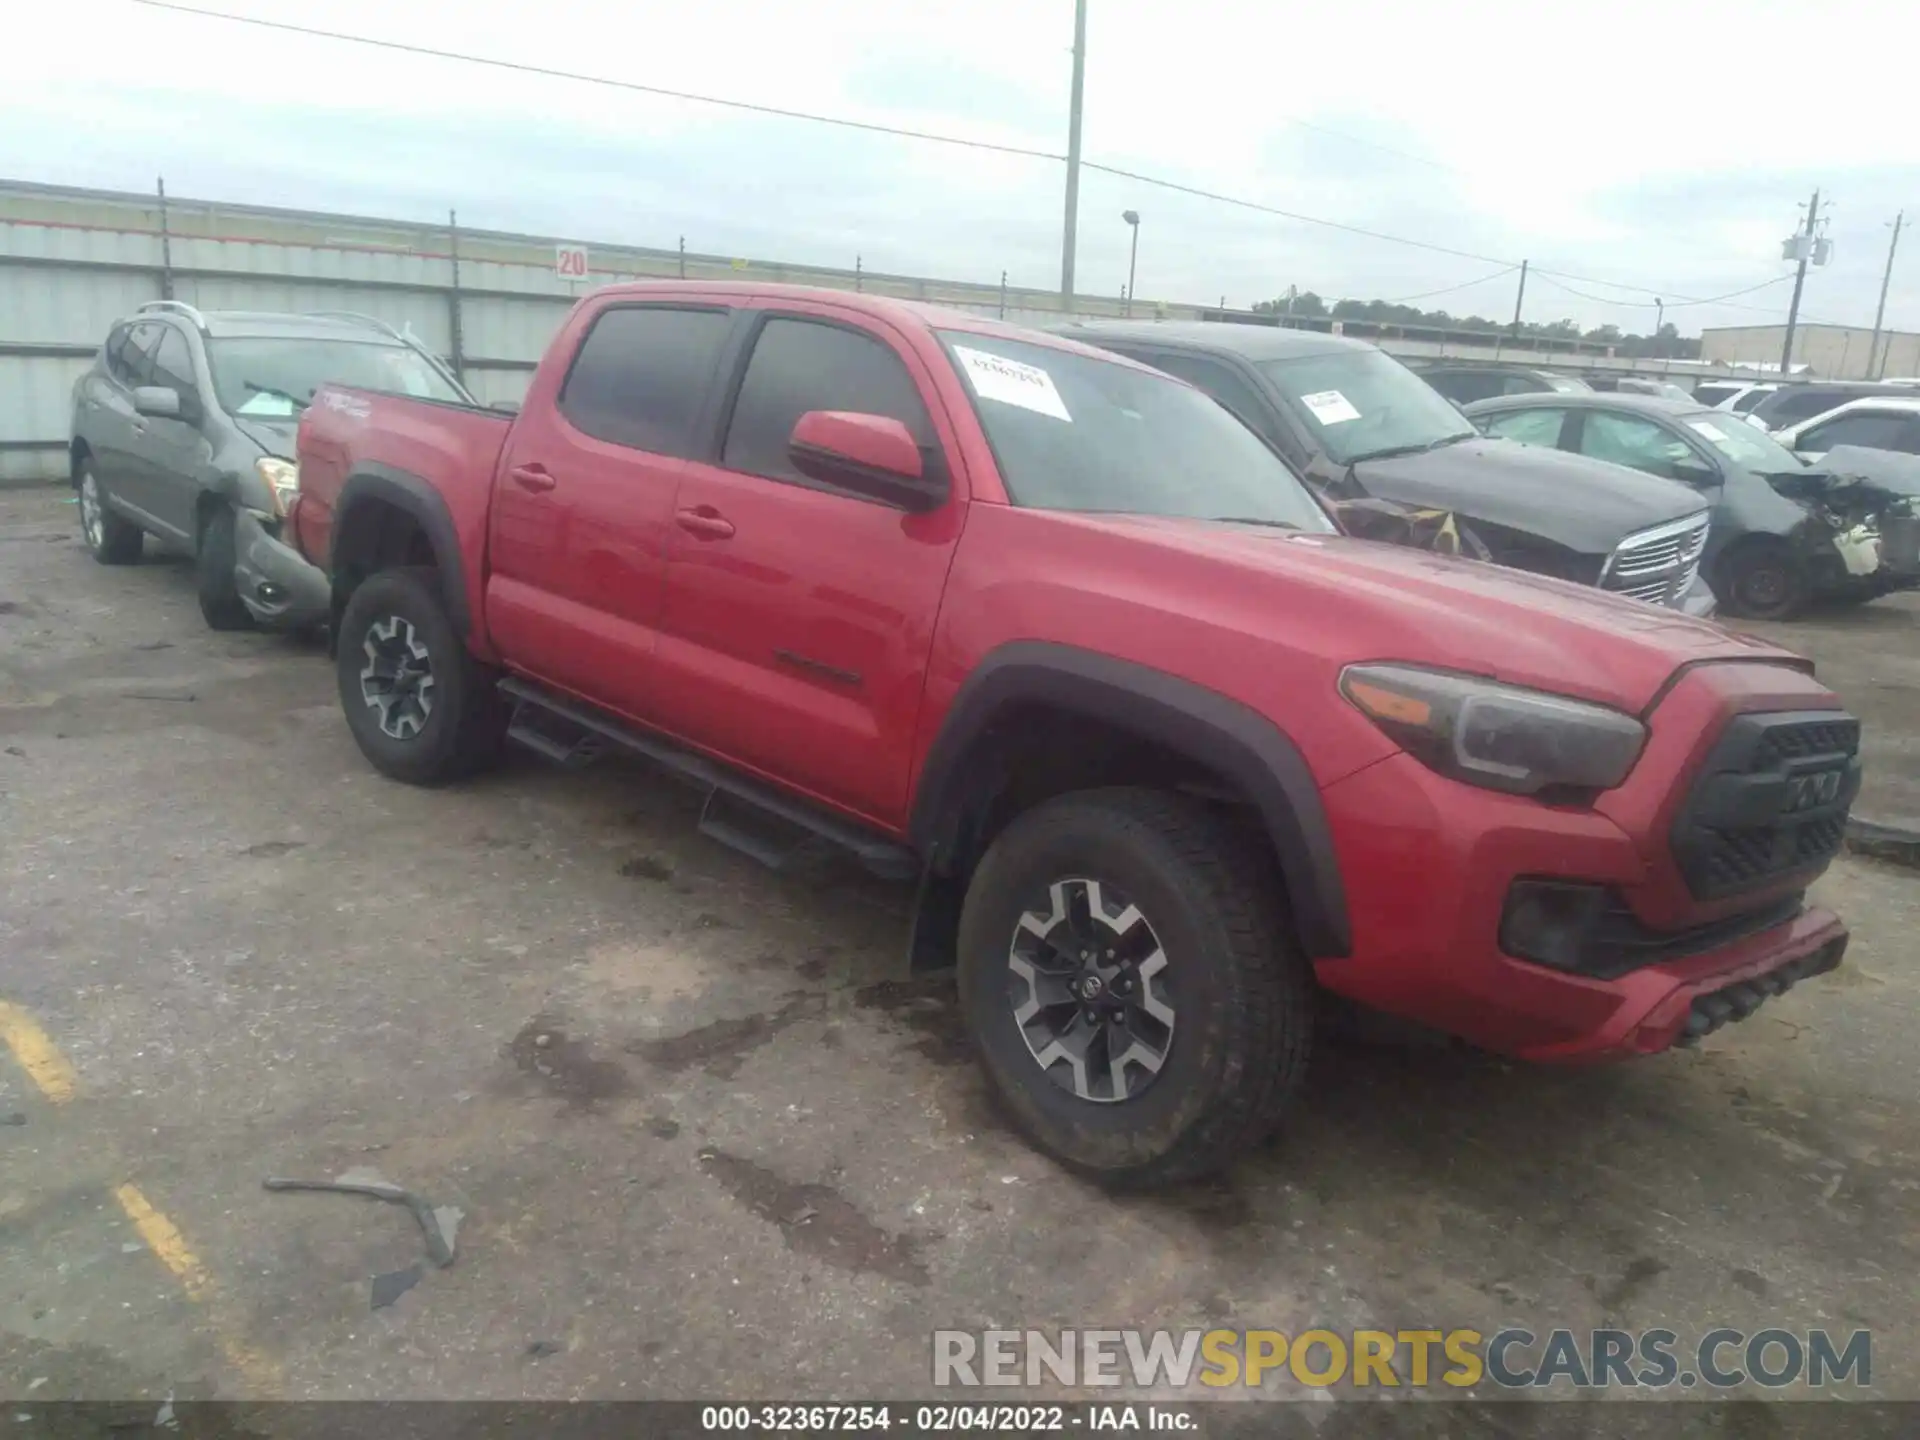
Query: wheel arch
{"points": [[386, 516], [1216, 735]]}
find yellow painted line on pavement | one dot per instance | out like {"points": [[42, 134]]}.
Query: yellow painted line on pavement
{"points": [[37, 1054], [164, 1239], [169, 1246]]}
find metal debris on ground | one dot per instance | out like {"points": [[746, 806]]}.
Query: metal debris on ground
{"points": [[395, 1283], [439, 1224]]}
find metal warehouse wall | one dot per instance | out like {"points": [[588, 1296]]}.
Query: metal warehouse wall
{"points": [[1831, 352], [74, 261]]}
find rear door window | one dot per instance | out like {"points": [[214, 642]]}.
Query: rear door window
{"points": [[801, 365], [642, 374], [1529, 427]]}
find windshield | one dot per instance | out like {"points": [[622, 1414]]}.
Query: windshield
{"points": [[1360, 404], [266, 378], [1748, 447], [1075, 433]]}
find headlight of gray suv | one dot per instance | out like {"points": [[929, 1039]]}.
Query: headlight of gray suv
{"points": [[283, 481], [1525, 742]]}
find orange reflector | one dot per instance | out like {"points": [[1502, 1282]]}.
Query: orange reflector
{"points": [[1388, 704]]}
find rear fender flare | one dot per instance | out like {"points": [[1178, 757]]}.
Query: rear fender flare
{"points": [[353, 533], [1213, 730]]}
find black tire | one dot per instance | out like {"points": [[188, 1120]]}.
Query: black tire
{"points": [[110, 538], [459, 727], [1764, 580], [220, 603], [1241, 997]]}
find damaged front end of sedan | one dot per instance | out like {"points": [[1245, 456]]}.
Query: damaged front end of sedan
{"points": [[1865, 505]]}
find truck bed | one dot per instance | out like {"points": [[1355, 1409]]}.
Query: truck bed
{"points": [[438, 449]]}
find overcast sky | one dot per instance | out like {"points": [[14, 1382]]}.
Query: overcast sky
{"points": [[1646, 143]]}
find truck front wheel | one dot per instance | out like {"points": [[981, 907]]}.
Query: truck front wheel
{"points": [[1136, 999], [421, 708]]}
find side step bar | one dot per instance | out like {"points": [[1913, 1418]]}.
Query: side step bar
{"points": [[740, 812]]}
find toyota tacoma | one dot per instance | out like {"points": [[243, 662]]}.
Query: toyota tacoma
{"points": [[1056, 637]]}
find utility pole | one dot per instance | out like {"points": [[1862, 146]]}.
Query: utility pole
{"points": [[1875, 371], [1799, 280], [1520, 298], [1073, 151], [166, 243], [454, 334]]}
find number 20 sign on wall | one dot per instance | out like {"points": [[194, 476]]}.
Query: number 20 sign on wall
{"points": [[570, 262]]}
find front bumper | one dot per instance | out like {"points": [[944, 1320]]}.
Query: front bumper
{"points": [[276, 584], [1431, 863]]}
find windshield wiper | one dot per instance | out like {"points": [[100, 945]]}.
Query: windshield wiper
{"points": [[1253, 520], [1389, 451], [278, 394]]}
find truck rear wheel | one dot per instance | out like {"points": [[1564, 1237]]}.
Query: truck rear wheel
{"points": [[421, 708], [1129, 979]]}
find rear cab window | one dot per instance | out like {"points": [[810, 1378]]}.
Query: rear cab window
{"points": [[641, 375]]}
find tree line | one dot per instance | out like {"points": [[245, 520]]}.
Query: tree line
{"points": [[1667, 341]]}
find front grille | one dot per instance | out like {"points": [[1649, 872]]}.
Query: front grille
{"points": [[1771, 802], [1658, 565]]}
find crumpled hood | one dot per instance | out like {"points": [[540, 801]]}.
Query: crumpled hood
{"points": [[274, 437], [1892, 475], [1395, 603], [1587, 505]]}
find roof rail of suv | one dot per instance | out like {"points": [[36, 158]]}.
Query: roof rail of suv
{"points": [[175, 307], [375, 322]]}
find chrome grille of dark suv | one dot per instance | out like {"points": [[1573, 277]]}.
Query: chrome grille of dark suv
{"points": [[1771, 802], [1658, 565]]}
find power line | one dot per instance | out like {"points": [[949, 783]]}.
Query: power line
{"points": [[907, 133], [1449, 289], [525, 69], [1223, 199], [1676, 304]]}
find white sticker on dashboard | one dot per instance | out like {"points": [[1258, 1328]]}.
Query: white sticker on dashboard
{"points": [[1330, 407], [994, 377]]}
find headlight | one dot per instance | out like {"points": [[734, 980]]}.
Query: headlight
{"points": [[283, 481], [1522, 741]]}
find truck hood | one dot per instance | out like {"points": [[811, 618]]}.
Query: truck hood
{"points": [[1586, 505], [1441, 611]]}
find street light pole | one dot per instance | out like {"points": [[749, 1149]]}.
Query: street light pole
{"points": [[1073, 151], [1132, 217]]}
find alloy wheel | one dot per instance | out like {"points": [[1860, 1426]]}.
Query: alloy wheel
{"points": [[1088, 985], [90, 520], [397, 680]]}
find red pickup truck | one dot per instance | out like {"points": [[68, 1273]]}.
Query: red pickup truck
{"points": [[1056, 636]]}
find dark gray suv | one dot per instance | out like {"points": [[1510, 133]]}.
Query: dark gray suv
{"points": [[183, 428]]}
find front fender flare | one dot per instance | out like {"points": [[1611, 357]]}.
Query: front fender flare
{"points": [[1218, 732]]}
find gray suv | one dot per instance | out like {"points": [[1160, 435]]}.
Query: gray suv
{"points": [[184, 427]]}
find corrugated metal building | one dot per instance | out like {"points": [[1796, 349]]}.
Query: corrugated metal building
{"points": [[1830, 352], [74, 261]]}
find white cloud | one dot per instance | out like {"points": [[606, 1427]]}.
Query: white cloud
{"points": [[1649, 143]]}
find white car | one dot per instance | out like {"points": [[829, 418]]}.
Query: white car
{"points": [[1879, 422]]}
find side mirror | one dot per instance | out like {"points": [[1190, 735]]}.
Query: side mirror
{"points": [[1694, 472], [873, 456], [158, 401]]}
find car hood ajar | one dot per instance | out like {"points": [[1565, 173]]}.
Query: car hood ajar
{"points": [[1586, 505], [1464, 615]]}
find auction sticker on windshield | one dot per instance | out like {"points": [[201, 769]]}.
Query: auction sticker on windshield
{"points": [[1012, 383], [1330, 407], [1712, 435]]}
